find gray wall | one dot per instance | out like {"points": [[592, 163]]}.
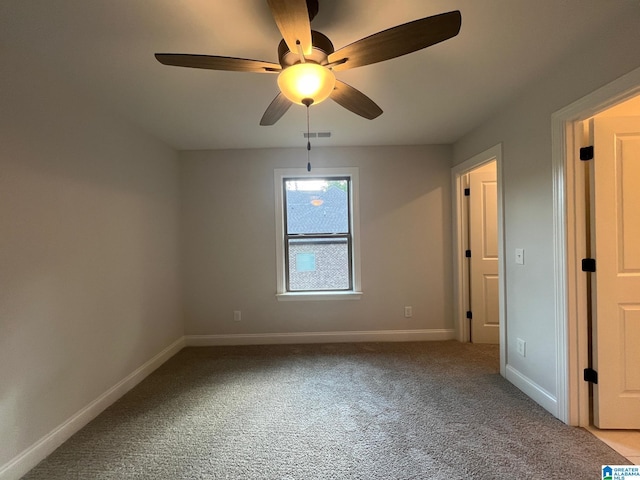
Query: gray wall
{"points": [[228, 212], [524, 128], [89, 282]]}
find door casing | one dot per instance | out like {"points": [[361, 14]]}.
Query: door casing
{"points": [[460, 273], [569, 246]]}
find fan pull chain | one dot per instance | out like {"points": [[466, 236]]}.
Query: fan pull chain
{"points": [[308, 144], [308, 102]]}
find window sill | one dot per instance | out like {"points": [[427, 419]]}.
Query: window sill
{"points": [[315, 296]]}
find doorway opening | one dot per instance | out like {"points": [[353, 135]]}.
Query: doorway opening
{"points": [[613, 233], [614, 403], [570, 227], [479, 280]]}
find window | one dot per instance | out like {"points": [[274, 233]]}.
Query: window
{"points": [[317, 234]]}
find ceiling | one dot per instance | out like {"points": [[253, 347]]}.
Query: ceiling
{"points": [[105, 49]]}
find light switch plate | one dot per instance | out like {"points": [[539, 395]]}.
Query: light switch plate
{"points": [[520, 256]]}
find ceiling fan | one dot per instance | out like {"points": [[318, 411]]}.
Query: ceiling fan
{"points": [[307, 58]]}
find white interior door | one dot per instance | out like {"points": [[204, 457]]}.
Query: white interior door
{"points": [[616, 294], [483, 233]]}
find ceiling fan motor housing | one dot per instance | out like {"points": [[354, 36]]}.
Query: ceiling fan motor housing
{"points": [[322, 48], [312, 7]]}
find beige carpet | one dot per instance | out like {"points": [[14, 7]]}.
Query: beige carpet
{"points": [[435, 410]]}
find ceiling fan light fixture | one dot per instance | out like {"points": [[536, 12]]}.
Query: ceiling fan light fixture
{"points": [[306, 81], [307, 58]]}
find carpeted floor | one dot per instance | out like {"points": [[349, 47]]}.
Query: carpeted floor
{"points": [[433, 410]]}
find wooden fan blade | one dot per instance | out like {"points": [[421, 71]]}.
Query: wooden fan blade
{"points": [[398, 41], [292, 18], [213, 62], [276, 109], [355, 101]]}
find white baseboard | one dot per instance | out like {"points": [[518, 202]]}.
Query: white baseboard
{"points": [[29, 458], [320, 337], [533, 390]]}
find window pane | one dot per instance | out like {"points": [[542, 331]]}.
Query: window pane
{"points": [[318, 264], [317, 206]]}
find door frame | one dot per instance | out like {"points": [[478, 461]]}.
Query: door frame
{"points": [[568, 231], [460, 273]]}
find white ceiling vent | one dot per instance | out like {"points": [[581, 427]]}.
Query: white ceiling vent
{"points": [[316, 135]]}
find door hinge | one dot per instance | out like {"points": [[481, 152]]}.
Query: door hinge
{"points": [[586, 153], [590, 375], [469, 315], [589, 265], [467, 253], [467, 192]]}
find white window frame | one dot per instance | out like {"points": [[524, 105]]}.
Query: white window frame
{"points": [[280, 174]]}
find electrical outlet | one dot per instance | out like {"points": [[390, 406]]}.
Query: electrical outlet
{"points": [[521, 347], [408, 312], [237, 315]]}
